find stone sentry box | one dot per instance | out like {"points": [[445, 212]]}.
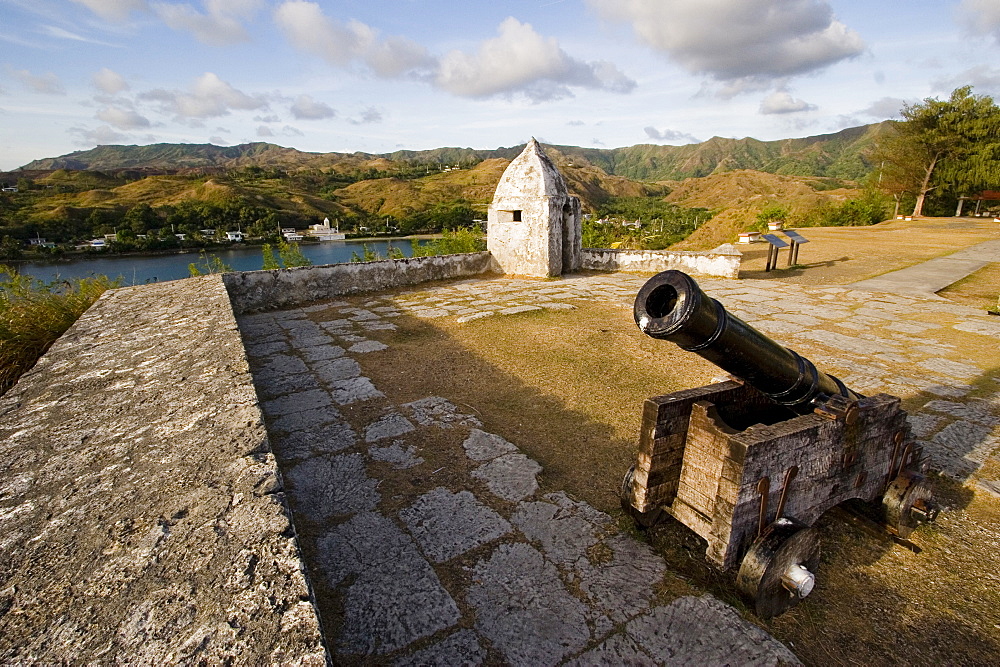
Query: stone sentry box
{"points": [[534, 226]]}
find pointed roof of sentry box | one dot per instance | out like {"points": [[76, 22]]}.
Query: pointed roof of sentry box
{"points": [[531, 174]]}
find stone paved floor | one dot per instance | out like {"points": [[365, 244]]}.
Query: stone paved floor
{"points": [[482, 568]]}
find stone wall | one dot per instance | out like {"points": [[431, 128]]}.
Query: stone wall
{"points": [[262, 290], [142, 518], [723, 261]]}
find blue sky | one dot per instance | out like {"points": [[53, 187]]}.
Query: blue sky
{"points": [[379, 75]]}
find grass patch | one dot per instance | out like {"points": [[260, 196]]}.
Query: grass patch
{"points": [[34, 314], [979, 290]]}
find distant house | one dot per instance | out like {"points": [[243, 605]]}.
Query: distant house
{"points": [[324, 232], [37, 241], [234, 236], [293, 236], [98, 243], [10, 189], [181, 236]]}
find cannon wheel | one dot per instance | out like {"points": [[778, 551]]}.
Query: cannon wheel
{"points": [[643, 520], [907, 503], [778, 571]]}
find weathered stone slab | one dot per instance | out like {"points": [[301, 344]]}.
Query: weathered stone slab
{"points": [[440, 412], [524, 609], [389, 426], [394, 597], [482, 446], [306, 419], [704, 631], [511, 476], [141, 521], [354, 390], [328, 486], [336, 370], [321, 352], [955, 369], [367, 346], [447, 524], [326, 439], [616, 650], [394, 454], [461, 649]]}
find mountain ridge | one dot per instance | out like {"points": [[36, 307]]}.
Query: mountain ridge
{"points": [[838, 155]]}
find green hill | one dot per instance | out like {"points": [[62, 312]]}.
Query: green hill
{"points": [[837, 155]]}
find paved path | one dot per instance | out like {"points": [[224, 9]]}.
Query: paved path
{"points": [[927, 278], [425, 537]]}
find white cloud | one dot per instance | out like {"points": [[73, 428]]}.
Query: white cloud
{"points": [[782, 102], [209, 97], [46, 84], [102, 135], [367, 117], [61, 33], [123, 119], [264, 131], [221, 23], [982, 17], [519, 59], [306, 108], [308, 29], [109, 81], [730, 40], [113, 10], [290, 131], [885, 108], [669, 135], [983, 78], [270, 118]]}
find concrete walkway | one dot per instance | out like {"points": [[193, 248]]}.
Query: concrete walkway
{"points": [[927, 278], [425, 537]]}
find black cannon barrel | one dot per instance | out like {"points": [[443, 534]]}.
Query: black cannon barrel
{"points": [[671, 306]]}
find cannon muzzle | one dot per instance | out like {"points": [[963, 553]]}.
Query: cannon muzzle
{"points": [[671, 306]]}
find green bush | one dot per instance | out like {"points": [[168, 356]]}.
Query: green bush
{"points": [[460, 241], [34, 314], [869, 209]]}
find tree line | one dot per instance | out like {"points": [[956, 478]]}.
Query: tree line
{"points": [[942, 150]]}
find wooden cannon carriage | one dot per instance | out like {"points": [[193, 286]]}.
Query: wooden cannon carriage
{"points": [[751, 463]]}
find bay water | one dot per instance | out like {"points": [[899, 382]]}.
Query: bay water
{"points": [[141, 269]]}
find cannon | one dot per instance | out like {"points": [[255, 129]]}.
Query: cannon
{"points": [[751, 463]]}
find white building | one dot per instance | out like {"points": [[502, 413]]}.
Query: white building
{"points": [[534, 224]]}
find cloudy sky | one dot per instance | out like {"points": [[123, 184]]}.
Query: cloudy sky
{"points": [[379, 75]]}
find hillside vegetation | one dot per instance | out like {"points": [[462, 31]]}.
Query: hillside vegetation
{"points": [[838, 155], [147, 194], [739, 197]]}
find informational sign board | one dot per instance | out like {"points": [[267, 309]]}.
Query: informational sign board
{"points": [[774, 240], [795, 237]]}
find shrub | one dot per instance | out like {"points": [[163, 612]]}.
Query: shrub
{"points": [[460, 241], [208, 264], [34, 314]]}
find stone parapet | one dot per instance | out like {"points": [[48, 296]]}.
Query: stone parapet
{"points": [[142, 518], [280, 288], [722, 262]]}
